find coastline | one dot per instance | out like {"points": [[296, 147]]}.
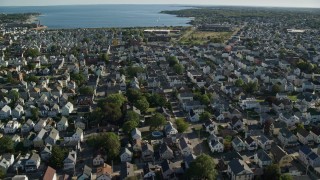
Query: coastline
{"points": [[32, 19]]}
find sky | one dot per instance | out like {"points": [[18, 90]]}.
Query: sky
{"points": [[272, 3]]}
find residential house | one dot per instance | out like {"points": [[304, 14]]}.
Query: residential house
{"points": [[104, 172], [215, 144], [167, 170], [18, 111], [264, 142], [287, 138], [69, 163], [126, 170], [78, 135], [50, 174], [185, 147], [315, 132], [20, 177], [33, 163], [147, 152], [86, 173], [38, 141], [5, 112], [136, 134], [67, 109], [262, 158], [40, 124], [98, 160], [20, 162], [45, 154], [28, 126], [305, 137], [289, 119], [6, 161], [126, 155], [170, 130], [238, 144], [280, 156], [308, 157], [165, 152], [251, 144], [52, 137], [238, 169], [63, 124], [11, 127], [211, 127]]}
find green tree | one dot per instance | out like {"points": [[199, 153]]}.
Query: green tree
{"points": [[133, 95], [133, 71], [251, 87], [86, 91], [57, 157], [129, 126], [178, 68], [112, 112], [2, 174], [108, 143], [202, 168], [272, 172], [132, 116], [118, 99], [142, 104], [6, 145], [79, 78], [239, 82], [182, 125], [276, 88], [286, 177], [35, 113], [172, 60], [31, 78], [156, 100], [105, 57], [205, 116], [156, 121], [32, 52]]}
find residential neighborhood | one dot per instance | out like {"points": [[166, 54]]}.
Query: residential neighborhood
{"points": [[133, 103]]}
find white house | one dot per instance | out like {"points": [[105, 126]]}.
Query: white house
{"points": [[136, 134], [170, 130], [18, 111], [98, 160], [78, 135], [67, 109], [63, 124], [11, 127], [126, 155], [33, 163], [5, 112]]}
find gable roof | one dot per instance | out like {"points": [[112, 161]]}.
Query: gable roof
{"points": [[237, 166], [49, 173]]}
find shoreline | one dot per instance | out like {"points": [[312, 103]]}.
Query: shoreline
{"points": [[32, 19]]}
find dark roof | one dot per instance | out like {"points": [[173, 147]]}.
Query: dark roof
{"points": [[305, 150], [303, 132], [263, 156], [237, 166], [165, 165], [277, 152]]}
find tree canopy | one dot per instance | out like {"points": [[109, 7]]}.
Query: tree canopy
{"points": [[32, 52], [118, 99], [156, 121], [205, 116], [182, 125], [272, 172], [108, 143], [142, 104], [86, 91], [6, 145], [57, 157], [202, 168]]}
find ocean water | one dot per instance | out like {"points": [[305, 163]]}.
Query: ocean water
{"points": [[96, 16]]}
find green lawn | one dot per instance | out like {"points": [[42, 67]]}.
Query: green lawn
{"points": [[293, 98]]}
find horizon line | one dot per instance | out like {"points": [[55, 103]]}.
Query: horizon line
{"points": [[191, 5]]}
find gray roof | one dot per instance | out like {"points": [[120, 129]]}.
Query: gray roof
{"points": [[263, 156], [237, 166]]}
